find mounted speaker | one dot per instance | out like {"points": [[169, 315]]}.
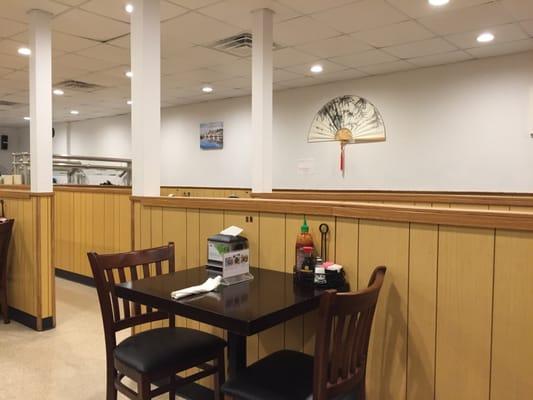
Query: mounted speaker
{"points": [[3, 142]]}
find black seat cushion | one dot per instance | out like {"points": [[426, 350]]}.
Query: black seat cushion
{"points": [[284, 375], [167, 347]]}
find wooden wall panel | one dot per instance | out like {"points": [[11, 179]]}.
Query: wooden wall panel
{"points": [[271, 251], [30, 281], [383, 243], [432, 333], [88, 221], [464, 309], [422, 302], [347, 248], [512, 345]]}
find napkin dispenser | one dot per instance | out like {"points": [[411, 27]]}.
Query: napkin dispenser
{"points": [[227, 253]]}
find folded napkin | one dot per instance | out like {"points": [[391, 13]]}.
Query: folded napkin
{"points": [[208, 286]]}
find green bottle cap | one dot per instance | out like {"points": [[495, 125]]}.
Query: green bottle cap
{"points": [[304, 228]]}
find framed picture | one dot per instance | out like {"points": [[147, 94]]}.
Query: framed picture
{"points": [[212, 135]]}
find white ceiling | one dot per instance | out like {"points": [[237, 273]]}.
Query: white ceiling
{"points": [[351, 38]]}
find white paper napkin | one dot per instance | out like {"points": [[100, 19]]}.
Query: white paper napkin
{"points": [[208, 286]]}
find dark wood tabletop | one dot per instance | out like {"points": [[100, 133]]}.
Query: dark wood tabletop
{"points": [[243, 309]]}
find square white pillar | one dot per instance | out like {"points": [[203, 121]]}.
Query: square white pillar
{"points": [[146, 97], [40, 101], [262, 79]]}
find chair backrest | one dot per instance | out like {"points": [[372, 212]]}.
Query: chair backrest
{"points": [[341, 347], [6, 228], [110, 269]]}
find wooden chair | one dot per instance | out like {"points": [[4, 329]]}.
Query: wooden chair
{"points": [[338, 369], [6, 228], [156, 355]]}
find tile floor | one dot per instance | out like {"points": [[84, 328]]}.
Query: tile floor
{"points": [[65, 363]]}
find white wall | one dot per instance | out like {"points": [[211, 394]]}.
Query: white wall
{"points": [[456, 127]]}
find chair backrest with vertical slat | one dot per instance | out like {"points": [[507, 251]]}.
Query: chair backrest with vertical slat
{"points": [[341, 347], [6, 228], [110, 269]]}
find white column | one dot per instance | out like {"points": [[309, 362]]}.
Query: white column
{"points": [[146, 97], [262, 71], [40, 101]]}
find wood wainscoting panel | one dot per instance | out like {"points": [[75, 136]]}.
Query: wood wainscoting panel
{"points": [[512, 345], [347, 249], [421, 323], [464, 313], [386, 243], [272, 256]]}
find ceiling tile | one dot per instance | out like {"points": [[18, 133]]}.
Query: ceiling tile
{"points": [[289, 56], [62, 73], [13, 62], [293, 83], [10, 28], [303, 69], [104, 79], [10, 47], [340, 75], [366, 58], [7, 71], [527, 26], [193, 58], [421, 48], [85, 63], [361, 15], [241, 67], [239, 12], [70, 2], [438, 59], [502, 34], [312, 6], [123, 41], [421, 8], [236, 83], [467, 19], [87, 25], [302, 30], [403, 32], [336, 46], [15, 85], [283, 75], [107, 53], [194, 28], [115, 9], [502, 48], [386, 68], [194, 4], [18, 9], [61, 41], [520, 9]]}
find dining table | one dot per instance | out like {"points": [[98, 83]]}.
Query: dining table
{"points": [[243, 309]]}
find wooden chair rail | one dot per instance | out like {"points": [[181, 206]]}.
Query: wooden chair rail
{"points": [[512, 220]]}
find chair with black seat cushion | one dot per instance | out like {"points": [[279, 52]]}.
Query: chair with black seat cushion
{"points": [[338, 369], [155, 355], [6, 228]]}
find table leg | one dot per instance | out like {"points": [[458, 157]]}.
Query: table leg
{"points": [[236, 353]]}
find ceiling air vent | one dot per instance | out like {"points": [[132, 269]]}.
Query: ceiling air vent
{"points": [[237, 45], [78, 85], [8, 105]]}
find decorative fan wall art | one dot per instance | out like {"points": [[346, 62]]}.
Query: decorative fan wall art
{"points": [[347, 119]]}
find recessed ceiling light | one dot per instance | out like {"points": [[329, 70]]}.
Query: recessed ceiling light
{"points": [[129, 102], [316, 69], [129, 74], [485, 37], [207, 89], [26, 118], [58, 92], [24, 51], [74, 112], [438, 3], [129, 8]]}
